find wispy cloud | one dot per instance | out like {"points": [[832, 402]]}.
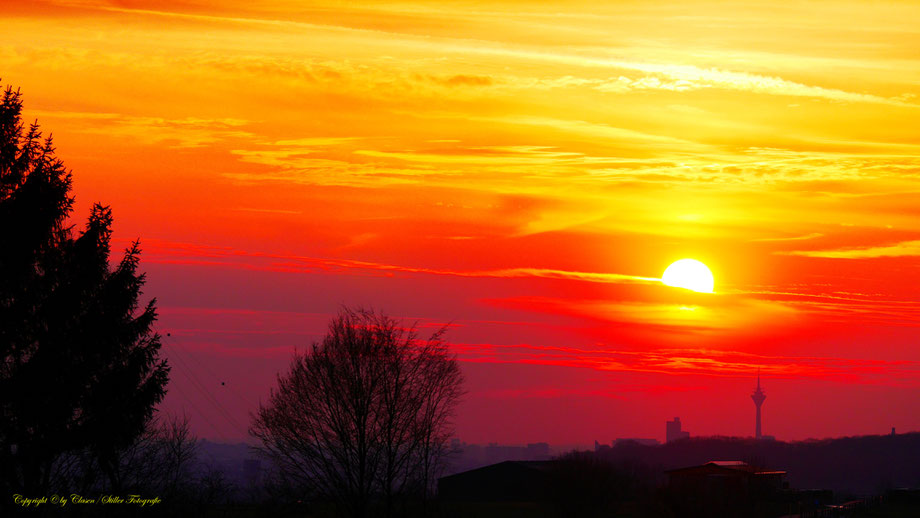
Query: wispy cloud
{"points": [[158, 251], [188, 132], [805, 237], [706, 362], [269, 211], [663, 76], [237, 327], [902, 249]]}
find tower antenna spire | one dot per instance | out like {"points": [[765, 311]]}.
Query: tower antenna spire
{"points": [[758, 396]]}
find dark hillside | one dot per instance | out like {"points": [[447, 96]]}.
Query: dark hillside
{"points": [[856, 465]]}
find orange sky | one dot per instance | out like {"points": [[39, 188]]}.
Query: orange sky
{"points": [[524, 170]]}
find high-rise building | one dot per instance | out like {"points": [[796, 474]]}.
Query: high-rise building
{"points": [[758, 396], [673, 431]]}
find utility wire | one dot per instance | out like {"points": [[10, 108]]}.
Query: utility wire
{"points": [[203, 391]]}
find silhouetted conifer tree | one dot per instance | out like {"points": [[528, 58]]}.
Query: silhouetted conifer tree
{"points": [[81, 367]]}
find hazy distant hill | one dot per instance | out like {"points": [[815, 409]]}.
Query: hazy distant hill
{"points": [[226, 458]]}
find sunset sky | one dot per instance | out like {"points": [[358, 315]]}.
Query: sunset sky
{"points": [[524, 171]]}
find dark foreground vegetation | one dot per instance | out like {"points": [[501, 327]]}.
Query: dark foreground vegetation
{"points": [[80, 369], [629, 480], [844, 477], [856, 466]]}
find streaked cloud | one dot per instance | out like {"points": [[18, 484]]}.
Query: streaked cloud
{"points": [[706, 362], [188, 132], [187, 253], [903, 249], [806, 237]]}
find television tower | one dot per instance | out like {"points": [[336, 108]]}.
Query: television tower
{"points": [[758, 396]]}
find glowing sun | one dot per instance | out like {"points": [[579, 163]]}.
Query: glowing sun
{"points": [[689, 274]]}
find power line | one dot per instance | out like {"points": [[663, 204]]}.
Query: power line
{"points": [[204, 392], [208, 395], [231, 387], [200, 413]]}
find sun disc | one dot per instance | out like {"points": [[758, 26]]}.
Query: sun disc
{"points": [[689, 274]]}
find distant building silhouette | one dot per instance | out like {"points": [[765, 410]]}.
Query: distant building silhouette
{"points": [[722, 474], [510, 481], [673, 431], [727, 488], [644, 442], [758, 396], [466, 456], [598, 447]]}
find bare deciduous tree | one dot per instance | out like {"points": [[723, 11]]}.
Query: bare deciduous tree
{"points": [[364, 417]]}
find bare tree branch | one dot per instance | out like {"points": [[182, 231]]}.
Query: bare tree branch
{"points": [[364, 418]]}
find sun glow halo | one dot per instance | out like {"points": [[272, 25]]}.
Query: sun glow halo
{"points": [[689, 274]]}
